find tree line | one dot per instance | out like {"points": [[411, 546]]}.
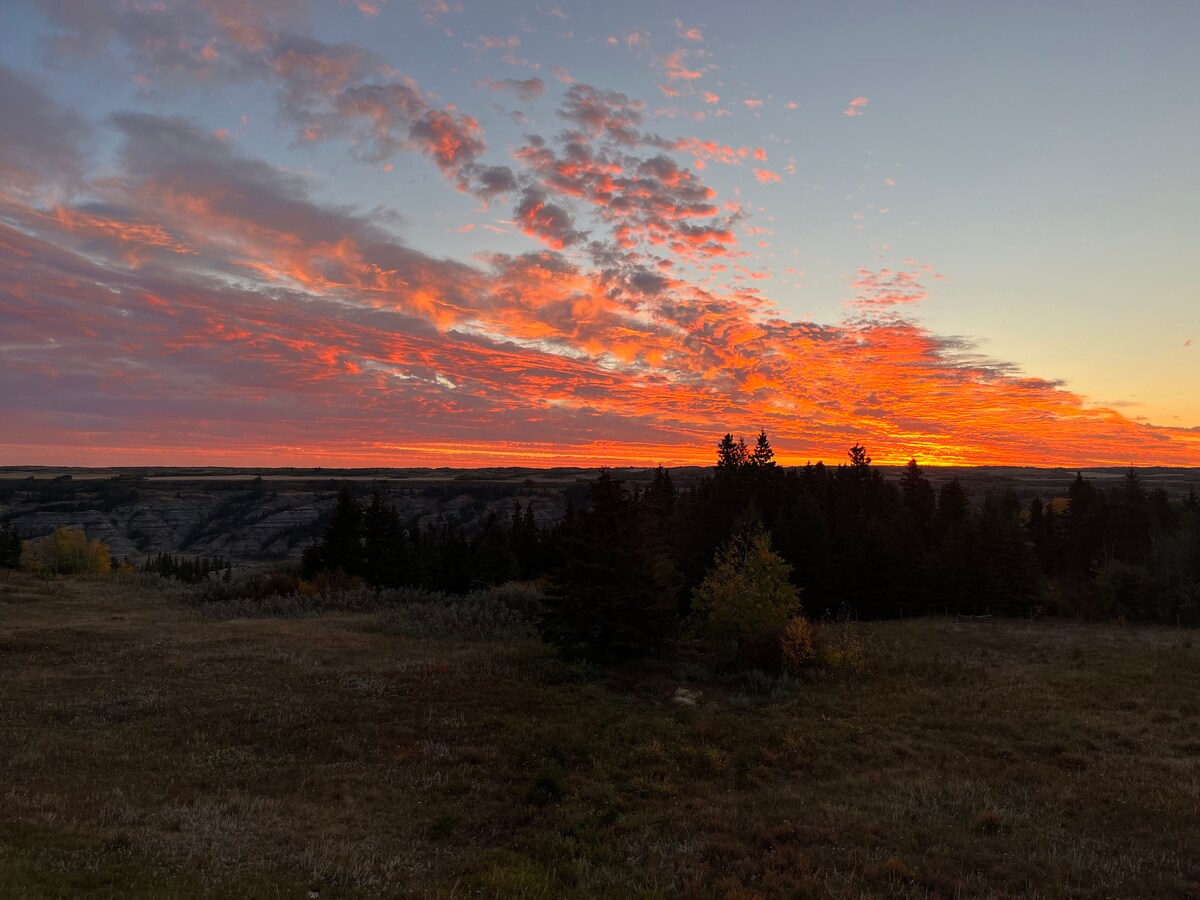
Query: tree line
{"points": [[626, 571], [373, 543], [191, 570]]}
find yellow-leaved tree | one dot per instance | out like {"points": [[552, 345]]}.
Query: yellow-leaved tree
{"points": [[746, 594], [67, 551]]}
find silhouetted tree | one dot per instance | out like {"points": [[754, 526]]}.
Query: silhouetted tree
{"points": [[919, 499], [385, 549], [762, 456], [731, 454], [10, 546], [607, 600], [341, 545]]}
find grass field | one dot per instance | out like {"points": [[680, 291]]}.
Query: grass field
{"points": [[149, 751]]}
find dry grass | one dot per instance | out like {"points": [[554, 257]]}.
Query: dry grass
{"points": [[150, 752]]}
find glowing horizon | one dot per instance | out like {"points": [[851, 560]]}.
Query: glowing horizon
{"points": [[259, 233]]}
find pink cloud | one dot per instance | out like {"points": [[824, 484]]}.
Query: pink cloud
{"points": [[688, 34], [705, 151], [677, 70], [887, 288], [856, 107], [765, 176]]}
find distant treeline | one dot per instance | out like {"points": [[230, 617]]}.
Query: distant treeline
{"points": [[192, 570], [373, 543], [858, 545]]}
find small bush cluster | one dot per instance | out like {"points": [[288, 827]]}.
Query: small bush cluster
{"points": [[486, 615], [842, 644], [506, 612], [796, 645]]}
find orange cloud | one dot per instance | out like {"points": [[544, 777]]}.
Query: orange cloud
{"points": [[201, 305]]}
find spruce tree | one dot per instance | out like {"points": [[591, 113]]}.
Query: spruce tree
{"points": [[762, 457], [607, 601], [10, 546]]}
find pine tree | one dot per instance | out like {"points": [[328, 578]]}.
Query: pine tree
{"points": [[660, 495], [919, 499], [858, 457], [607, 601], [341, 545], [383, 540], [951, 507], [763, 456], [731, 454], [10, 546]]}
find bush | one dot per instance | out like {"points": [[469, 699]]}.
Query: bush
{"points": [[842, 645], [489, 615], [746, 597], [796, 645], [507, 612]]}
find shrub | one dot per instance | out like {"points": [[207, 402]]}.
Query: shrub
{"points": [[746, 594], [796, 645], [494, 614], [843, 645], [502, 613]]}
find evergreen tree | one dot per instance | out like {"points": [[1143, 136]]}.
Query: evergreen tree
{"points": [[492, 558], [952, 507], [660, 495], [340, 548], [731, 454], [919, 499], [762, 456], [607, 601], [10, 546], [384, 541]]}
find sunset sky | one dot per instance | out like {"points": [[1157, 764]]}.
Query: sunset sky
{"points": [[375, 232]]}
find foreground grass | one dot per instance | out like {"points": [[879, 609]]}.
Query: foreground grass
{"points": [[150, 752]]}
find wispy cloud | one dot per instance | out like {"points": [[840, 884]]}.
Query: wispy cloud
{"points": [[855, 107]]}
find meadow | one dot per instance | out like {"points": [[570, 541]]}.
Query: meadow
{"points": [[151, 747]]}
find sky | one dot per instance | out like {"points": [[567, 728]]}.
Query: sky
{"points": [[457, 233]]}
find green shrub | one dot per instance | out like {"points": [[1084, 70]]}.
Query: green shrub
{"points": [[746, 595]]}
